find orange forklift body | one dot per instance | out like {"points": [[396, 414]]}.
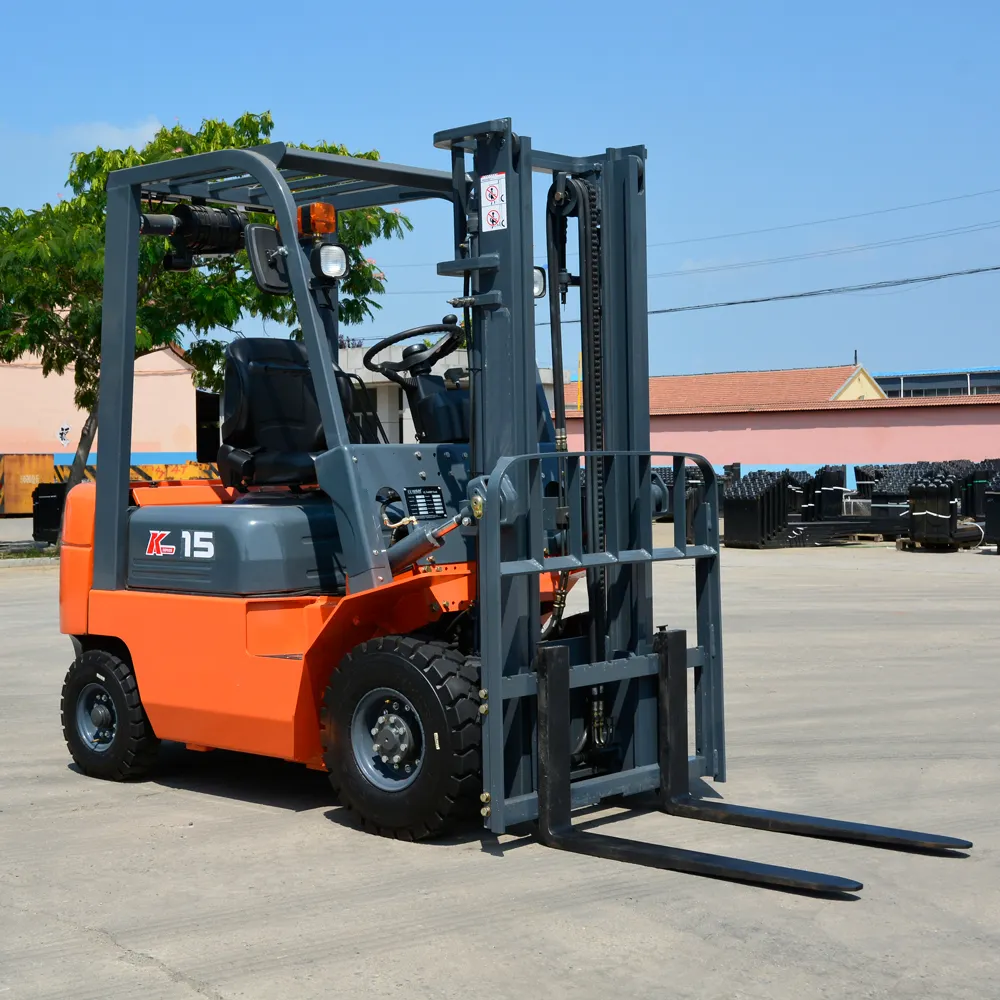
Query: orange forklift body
{"points": [[242, 674]]}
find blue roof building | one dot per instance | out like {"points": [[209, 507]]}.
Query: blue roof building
{"points": [[945, 382]]}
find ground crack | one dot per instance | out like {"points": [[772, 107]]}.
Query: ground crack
{"points": [[139, 959]]}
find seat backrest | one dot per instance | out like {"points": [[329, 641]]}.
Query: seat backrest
{"points": [[269, 400]]}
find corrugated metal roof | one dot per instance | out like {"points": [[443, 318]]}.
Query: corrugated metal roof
{"points": [[937, 371]]}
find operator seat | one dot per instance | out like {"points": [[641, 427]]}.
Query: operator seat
{"points": [[271, 425]]}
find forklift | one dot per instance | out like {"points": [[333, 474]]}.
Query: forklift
{"points": [[396, 614]]}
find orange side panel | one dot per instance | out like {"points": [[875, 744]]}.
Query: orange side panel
{"points": [[78, 525], [199, 681], [76, 562], [249, 675], [189, 493], [276, 628]]}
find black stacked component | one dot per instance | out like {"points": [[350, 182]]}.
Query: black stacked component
{"points": [[797, 482], [992, 511], [756, 509], [694, 494], [975, 486], [866, 478], [831, 481], [935, 504], [891, 496]]}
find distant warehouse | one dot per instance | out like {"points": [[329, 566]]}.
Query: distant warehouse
{"points": [[806, 417]]}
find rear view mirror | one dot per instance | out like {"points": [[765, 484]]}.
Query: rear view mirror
{"points": [[268, 259]]}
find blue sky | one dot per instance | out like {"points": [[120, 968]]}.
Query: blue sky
{"points": [[755, 115]]}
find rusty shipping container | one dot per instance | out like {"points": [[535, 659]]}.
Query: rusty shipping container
{"points": [[19, 475]]}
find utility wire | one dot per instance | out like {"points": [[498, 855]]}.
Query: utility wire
{"points": [[790, 225], [816, 293], [833, 251], [937, 234], [822, 222], [840, 290]]}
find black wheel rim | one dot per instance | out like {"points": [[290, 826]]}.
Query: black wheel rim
{"points": [[387, 738], [96, 718]]}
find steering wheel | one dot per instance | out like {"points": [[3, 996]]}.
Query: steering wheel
{"points": [[422, 359]]}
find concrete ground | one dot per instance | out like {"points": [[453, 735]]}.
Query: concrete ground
{"points": [[862, 683], [15, 529]]}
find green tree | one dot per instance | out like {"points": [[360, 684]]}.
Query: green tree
{"points": [[52, 272]]}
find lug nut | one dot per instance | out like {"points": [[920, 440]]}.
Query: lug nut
{"points": [[485, 797], [407, 768], [376, 748], [381, 720], [485, 811], [483, 694], [374, 730], [395, 706], [395, 759], [484, 708], [385, 759], [402, 747]]}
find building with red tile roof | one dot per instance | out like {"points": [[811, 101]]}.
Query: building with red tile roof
{"points": [[810, 417]]}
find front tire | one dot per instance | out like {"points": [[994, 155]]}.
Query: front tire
{"points": [[103, 721], [401, 735]]}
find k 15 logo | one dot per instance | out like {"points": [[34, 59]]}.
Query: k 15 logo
{"points": [[194, 544]]}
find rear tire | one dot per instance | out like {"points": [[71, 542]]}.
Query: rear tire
{"points": [[417, 695], [103, 721]]}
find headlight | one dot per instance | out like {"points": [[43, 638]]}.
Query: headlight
{"points": [[539, 282], [329, 260]]}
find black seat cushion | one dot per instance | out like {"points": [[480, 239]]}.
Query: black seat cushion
{"points": [[271, 425]]}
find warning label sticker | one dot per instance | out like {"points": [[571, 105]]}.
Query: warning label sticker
{"points": [[493, 191]]}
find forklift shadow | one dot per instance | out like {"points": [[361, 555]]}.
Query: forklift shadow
{"points": [[245, 777], [611, 810], [465, 832]]}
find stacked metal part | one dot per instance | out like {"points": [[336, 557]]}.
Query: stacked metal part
{"points": [[756, 509], [823, 494], [694, 494], [797, 484], [976, 484], [934, 504], [991, 506]]}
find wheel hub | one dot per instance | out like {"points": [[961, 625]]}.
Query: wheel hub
{"points": [[394, 741], [96, 719], [100, 715], [387, 737]]}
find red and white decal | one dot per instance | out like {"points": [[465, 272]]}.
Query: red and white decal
{"points": [[156, 546]]}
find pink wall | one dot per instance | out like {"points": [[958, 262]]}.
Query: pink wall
{"points": [[33, 408], [818, 437]]}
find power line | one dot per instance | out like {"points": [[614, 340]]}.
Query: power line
{"points": [[822, 222], [937, 234], [783, 228], [815, 293], [834, 251]]}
